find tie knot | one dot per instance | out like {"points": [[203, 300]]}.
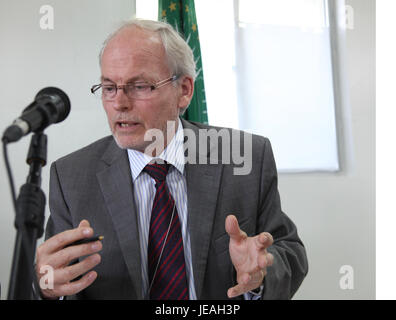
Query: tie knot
{"points": [[157, 171]]}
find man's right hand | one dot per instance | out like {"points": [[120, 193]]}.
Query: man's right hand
{"points": [[54, 253]]}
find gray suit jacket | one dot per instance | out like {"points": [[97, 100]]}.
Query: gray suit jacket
{"points": [[95, 183]]}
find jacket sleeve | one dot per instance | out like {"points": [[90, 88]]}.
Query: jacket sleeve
{"points": [[290, 261], [60, 218]]}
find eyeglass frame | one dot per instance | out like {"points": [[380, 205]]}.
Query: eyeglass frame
{"points": [[153, 86]]}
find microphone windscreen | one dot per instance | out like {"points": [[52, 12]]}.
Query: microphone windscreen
{"points": [[57, 97]]}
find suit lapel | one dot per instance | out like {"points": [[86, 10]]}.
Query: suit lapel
{"points": [[116, 184], [203, 183]]}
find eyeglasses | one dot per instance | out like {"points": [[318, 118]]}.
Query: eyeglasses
{"points": [[137, 90]]}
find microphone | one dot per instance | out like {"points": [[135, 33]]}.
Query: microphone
{"points": [[51, 105]]}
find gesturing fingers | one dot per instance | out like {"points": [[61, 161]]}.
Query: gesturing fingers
{"points": [[77, 286], [62, 239], [265, 260], [247, 282], [65, 275], [252, 280], [241, 287], [65, 256], [233, 230], [264, 240]]}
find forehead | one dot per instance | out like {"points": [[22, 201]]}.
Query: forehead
{"points": [[133, 52]]}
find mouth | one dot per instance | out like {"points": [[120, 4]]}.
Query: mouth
{"points": [[126, 125]]}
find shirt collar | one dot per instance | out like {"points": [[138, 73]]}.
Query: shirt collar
{"points": [[172, 154]]}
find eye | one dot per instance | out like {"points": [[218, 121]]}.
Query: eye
{"points": [[108, 89], [139, 86]]}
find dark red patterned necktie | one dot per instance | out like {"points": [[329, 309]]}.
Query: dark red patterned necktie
{"points": [[166, 264]]}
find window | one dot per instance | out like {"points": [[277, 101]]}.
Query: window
{"points": [[268, 70], [285, 83]]}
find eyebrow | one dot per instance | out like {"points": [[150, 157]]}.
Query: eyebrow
{"points": [[139, 77], [102, 79]]}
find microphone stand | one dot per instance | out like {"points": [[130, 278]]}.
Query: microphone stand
{"points": [[29, 222]]}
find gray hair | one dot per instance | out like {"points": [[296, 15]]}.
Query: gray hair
{"points": [[179, 54]]}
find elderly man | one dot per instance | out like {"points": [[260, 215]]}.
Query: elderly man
{"points": [[172, 229]]}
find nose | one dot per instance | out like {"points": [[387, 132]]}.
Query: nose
{"points": [[121, 102]]}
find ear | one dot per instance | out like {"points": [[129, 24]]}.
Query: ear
{"points": [[186, 89]]}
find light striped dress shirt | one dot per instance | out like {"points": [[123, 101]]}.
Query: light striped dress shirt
{"points": [[144, 193]]}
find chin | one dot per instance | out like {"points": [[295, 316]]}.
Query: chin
{"points": [[125, 143]]}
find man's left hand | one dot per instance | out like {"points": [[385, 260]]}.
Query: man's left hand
{"points": [[249, 256]]}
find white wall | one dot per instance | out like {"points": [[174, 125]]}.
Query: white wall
{"points": [[335, 213], [66, 57]]}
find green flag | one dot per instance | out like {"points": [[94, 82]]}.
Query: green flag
{"points": [[181, 15]]}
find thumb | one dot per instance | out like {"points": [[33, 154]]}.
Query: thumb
{"points": [[233, 230], [84, 223]]}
